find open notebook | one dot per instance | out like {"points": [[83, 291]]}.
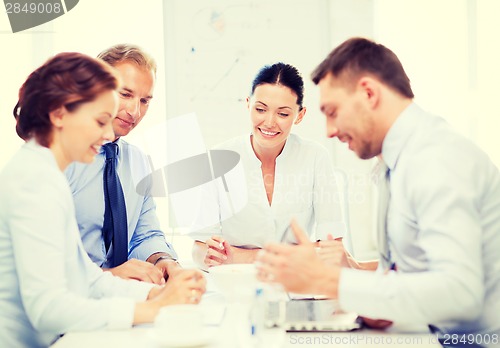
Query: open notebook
{"points": [[312, 316]]}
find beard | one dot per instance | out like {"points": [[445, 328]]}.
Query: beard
{"points": [[366, 152], [369, 146]]}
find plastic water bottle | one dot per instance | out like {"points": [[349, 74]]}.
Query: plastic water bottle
{"points": [[266, 311], [257, 318]]}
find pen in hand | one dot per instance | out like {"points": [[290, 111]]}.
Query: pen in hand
{"points": [[221, 241], [285, 235]]}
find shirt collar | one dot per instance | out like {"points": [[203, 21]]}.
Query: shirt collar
{"points": [[287, 148], [33, 145], [117, 141], [288, 145], [399, 133], [249, 148]]}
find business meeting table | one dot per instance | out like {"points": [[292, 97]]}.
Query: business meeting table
{"points": [[223, 330]]}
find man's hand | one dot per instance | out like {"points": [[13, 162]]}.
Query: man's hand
{"points": [[165, 263], [139, 270], [169, 268], [298, 267]]}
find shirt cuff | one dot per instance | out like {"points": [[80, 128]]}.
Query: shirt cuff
{"points": [[140, 290], [365, 292], [150, 247], [121, 309], [120, 313], [128, 288]]}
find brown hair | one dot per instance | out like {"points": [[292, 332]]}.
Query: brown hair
{"points": [[68, 79], [358, 56], [128, 53]]}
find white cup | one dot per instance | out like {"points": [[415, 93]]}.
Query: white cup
{"points": [[179, 321]]}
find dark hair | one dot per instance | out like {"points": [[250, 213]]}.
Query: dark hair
{"points": [[128, 53], [358, 56], [281, 74], [69, 80]]}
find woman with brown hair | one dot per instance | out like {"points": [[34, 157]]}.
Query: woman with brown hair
{"points": [[49, 285]]}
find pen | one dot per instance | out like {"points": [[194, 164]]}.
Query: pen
{"points": [[221, 242], [285, 235]]}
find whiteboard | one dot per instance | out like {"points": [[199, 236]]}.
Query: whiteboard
{"points": [[215, 48]]}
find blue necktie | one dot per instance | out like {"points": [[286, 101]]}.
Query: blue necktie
{"points": [[114, 228]]}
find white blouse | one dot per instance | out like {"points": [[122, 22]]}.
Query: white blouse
{"points": [[304, 189]]}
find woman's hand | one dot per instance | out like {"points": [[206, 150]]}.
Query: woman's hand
{"points": [[218, 252], [332, 252], [187, 286]]}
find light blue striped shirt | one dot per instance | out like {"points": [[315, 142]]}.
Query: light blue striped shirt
{"points": [[86, 181]]}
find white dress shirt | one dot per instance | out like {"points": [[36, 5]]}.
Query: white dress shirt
{"points": [[304, 189], [443, 231], [49, 285]]}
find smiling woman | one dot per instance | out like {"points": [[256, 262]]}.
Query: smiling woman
{"points": [[54, 108], [286, 176], [78, 137], [58, 88], [49, 284]]}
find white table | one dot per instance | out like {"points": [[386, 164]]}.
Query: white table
{"points": [[224, 336], [141, 337]]}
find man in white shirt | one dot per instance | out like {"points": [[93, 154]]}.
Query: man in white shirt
{"points": [[443, 219]]}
